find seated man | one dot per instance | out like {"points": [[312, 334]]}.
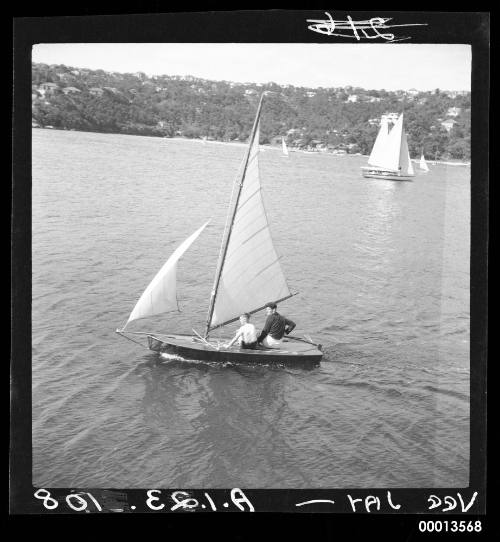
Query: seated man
{"points": [[246, 334], [275, 327]]}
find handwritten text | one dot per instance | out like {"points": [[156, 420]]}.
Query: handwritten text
{"points": [[370, 29]]}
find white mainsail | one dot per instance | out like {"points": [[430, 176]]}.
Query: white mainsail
{"points": [[283, 144], [423, 164], [377, 155], [251, 272], [161, 294]]}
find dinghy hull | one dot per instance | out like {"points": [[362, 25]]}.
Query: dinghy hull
{"points": [[291, 352], [386, 175]]}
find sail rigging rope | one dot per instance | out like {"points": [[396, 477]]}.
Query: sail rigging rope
{"points": [[130, 339]]}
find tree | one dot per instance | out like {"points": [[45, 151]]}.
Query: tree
{"points": [[164, 105]]}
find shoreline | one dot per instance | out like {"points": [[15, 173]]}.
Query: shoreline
{"points": [[244, 144]]}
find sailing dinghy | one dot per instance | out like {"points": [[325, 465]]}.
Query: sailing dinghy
{"points": [[284, 147], [423, 164], [390, 158], [248, 275]]}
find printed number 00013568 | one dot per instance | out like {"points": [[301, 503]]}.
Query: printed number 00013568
{"points": [[462, 526]]}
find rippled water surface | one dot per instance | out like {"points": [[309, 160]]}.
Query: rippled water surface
{"points": [[383, 272]]}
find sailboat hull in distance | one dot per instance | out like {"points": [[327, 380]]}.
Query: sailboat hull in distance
{"points": [[390, 157], [383, 174], [292, 351]]}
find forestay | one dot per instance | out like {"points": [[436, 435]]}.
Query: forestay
{"points": [[251, 272], [161, 294]]}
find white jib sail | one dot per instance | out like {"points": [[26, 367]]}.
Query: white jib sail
{"points": [[377, 155], [283, 144], [252, 273], [405, 162], [161, 294], [423, 164]]}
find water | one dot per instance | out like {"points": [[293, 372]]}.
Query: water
{"points": [[383, 271]]}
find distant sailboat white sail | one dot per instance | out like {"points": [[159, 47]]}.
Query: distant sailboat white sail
{"points": [[161, 294], [405, 163], [423, 164], [390, 157], [284, 147]]}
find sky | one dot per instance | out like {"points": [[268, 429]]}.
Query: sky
{"points": [[371, 66]]}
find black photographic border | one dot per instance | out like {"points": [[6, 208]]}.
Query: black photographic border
{"points": [[271, 26]]}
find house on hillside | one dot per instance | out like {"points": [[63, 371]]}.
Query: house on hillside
{"points": [[71, 90], [112, 90], [448, 124], [455, 93], [453, 111], [390, 117], [352, 98], [47, 87], [96, 91]]}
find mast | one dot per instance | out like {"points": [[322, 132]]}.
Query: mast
{"points": [[220, 264]]}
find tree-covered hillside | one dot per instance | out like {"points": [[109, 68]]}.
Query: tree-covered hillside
{"points": [[326, 119]]}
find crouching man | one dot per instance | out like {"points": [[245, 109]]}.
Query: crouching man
{"points": [[275, 328]]}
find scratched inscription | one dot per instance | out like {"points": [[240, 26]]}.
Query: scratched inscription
{"points": [[370, 29]]}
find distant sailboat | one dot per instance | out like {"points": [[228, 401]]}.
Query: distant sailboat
{"points": [[390, 158], [423, 164], [248, 275], [284, 147]]}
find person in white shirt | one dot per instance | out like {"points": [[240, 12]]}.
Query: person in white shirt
{"points": [[246, 334]]}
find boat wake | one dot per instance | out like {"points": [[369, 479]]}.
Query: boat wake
{"points": [[172, 357], [166, 358]]}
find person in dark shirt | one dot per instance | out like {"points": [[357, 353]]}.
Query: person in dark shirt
{"points": [[275, 327]]}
